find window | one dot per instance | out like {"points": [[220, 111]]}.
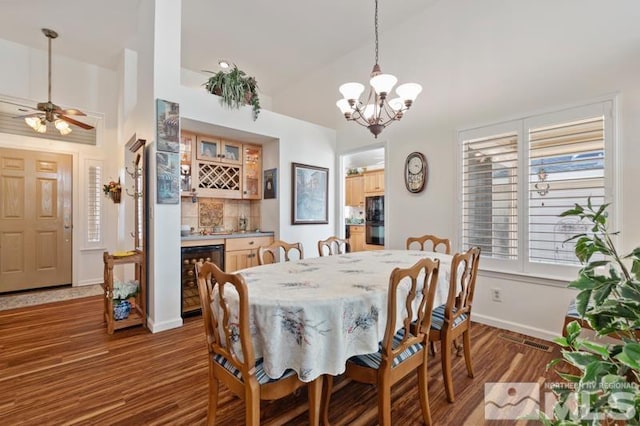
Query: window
{"points": [[517, 177], [93, 236]]}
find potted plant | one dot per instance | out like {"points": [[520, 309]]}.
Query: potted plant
{"points": [[235, 89], [124, 296], [113, 190], [603, 378]]}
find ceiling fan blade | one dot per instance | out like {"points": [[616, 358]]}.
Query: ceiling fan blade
{"points": [[34, 114], [17, 104], [70, 111], [76, 122]]}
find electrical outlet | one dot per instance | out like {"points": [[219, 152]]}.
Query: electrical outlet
{"points": [[496, 294]]}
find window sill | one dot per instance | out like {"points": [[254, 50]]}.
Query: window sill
{"points": [[525, 278]]}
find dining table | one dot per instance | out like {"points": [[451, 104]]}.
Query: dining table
{"points": [[312, 315]]}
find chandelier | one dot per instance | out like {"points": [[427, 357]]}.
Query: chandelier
{"points": [[377, 112]]}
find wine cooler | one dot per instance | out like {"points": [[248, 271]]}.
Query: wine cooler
{"points": [[191, 256]]}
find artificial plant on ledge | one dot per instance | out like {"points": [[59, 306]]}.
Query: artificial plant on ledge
{"points": [[603, 381], [235, 89]]}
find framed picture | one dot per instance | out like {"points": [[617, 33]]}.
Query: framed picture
{"points": [[310, 194], [270, 184], [168, 177], [207, 149], [168, 126]]}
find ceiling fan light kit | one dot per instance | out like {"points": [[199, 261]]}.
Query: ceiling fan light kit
{"points": [[50, 112], [378, 111]]}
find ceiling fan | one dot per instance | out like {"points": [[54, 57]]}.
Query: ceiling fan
{"points": [[50, 112]]}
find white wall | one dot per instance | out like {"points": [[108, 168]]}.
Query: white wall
{"points": [[23, 75], [298, 141], [483, 62]]}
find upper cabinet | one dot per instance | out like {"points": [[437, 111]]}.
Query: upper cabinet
{"points": [[187, 142], [220, 168], [354, 191], [219, 150], [374, 182], [252, 172]]}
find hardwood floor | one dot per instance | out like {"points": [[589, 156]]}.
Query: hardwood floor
{"points": [[59, 366]]}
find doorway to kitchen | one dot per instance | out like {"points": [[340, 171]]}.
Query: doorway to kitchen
{"points": [[363, 177]]}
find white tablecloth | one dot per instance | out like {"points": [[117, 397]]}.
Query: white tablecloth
{"points": [[312, 315]]}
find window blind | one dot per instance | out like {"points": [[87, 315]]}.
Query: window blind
{"points": [[489, 194], [565, 166], [94, 200]]}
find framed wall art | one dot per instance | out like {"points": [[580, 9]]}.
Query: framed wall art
{"points": [[310, 198], [168, 177], [168, 126], [270, 184]]}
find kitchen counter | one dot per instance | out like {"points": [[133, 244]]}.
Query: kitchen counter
{"points": [[223, 236]]}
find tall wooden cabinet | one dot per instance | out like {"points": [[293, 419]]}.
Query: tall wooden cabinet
{"points": [[354, 191]]}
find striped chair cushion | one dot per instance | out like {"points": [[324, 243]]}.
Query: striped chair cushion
{"points": [[437, 318], [260, 373], [373, 360], [572, 311]]}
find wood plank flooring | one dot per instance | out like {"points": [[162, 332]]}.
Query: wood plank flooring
{"points": [[58, 366]]}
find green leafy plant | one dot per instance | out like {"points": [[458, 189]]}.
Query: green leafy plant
{"points": [[602, 384], [235, 89]]}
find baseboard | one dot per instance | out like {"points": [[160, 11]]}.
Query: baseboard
{"points": [[163, 326], [513, 326], [90, 281]]}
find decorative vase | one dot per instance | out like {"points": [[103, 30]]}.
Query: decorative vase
{"points": [[115, 196], [121, 310]]}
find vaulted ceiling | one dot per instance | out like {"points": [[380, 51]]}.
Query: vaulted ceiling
{"points": [[276, 41]]}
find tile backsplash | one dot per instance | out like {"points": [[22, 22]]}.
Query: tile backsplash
{"points": [[229, 216]]}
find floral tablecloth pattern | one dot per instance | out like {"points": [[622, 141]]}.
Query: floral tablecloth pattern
{"points": [[312, 315]]}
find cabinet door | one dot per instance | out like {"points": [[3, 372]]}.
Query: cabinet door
{"points": [[209, 148], [231, 152], [357, 191], [356, 241], [187, 145], [348, 192], [240, 259], [374, 181], [252, 172]]}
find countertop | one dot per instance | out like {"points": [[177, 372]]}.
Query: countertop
{"points": [[198, 237]]}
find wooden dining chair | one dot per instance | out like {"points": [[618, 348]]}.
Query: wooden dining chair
{"points": [[453, 319], [235, 365], [403, 348], [333, 245], [271, 253], [435, 242]]}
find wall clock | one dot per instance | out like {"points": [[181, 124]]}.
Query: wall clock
{"points": [[416, 172]]}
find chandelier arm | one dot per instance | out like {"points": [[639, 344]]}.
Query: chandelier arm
{"points": [[392, 113]]}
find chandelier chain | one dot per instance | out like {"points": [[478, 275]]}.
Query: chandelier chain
{"points": [[376, 30]]}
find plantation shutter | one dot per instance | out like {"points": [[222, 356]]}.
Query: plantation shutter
{"points": [[489, 195], [94, 200], [566, 166]]}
